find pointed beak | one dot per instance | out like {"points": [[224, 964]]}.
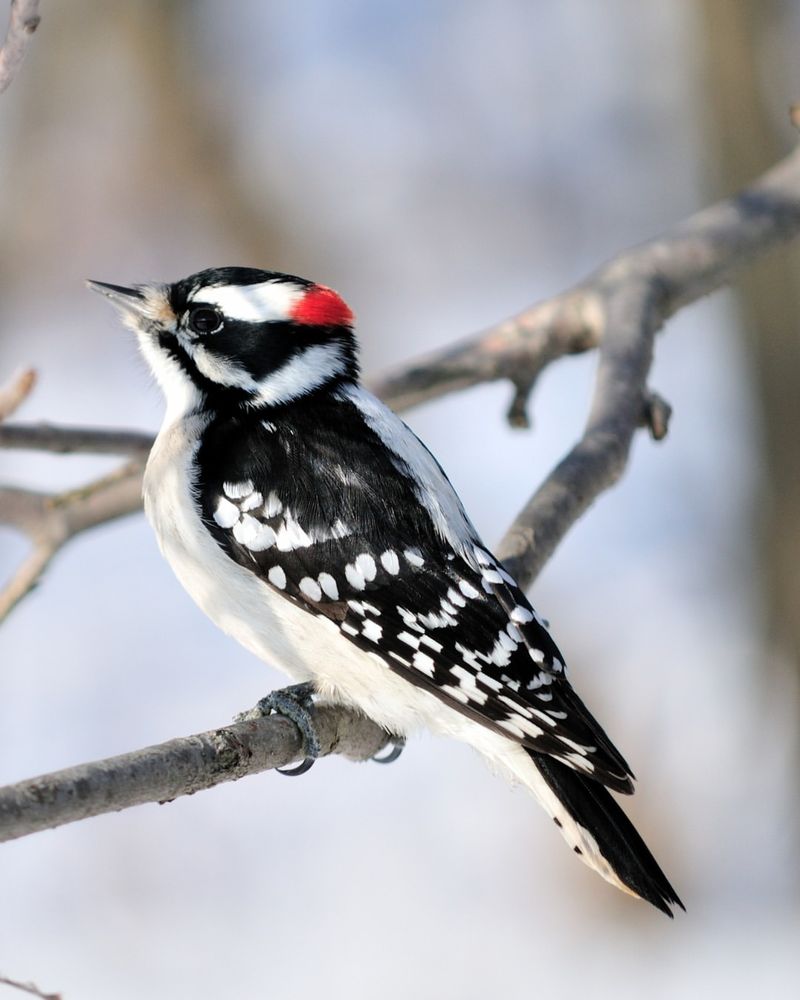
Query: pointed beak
{"points": [[127, 300]]}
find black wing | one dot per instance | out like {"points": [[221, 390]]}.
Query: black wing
{"points": [[452, 622]]}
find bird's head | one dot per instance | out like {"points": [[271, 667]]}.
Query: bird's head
{"points": [[233, 337]]}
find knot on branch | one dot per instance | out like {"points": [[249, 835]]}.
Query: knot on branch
{"points": [[656, 414]]}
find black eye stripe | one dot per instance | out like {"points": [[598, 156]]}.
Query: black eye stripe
{"points": [[204, 319]]}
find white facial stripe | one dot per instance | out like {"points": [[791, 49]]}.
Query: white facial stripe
{"points": [[301, 374], [221, 370], [262, 303]]}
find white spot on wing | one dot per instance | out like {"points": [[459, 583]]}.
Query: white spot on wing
{"points": [[365, 564], [291, 536], [521, 615], [277, 577], [247, 530], [226, 514], [455, 598], [390, 562], [238, 490], [424, 663], [263, 539], [426, 640], [506, 642], [490, 682], [372, 630], [311, 588], [273, 506], [500, 656], [456, 692], [354, 577], [254, 500], [408, 639], [328, 584]]}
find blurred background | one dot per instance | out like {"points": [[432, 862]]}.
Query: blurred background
{"points": [[442, 165]]}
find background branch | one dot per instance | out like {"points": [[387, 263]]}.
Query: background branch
{"points": [[24, 20], [618, 309], [30, 988]]}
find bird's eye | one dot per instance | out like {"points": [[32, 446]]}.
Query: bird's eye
{"points": [[204, 319]]}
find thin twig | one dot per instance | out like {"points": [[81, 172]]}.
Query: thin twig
{"points": [[24, 20], [31, 988], [16, 392]]}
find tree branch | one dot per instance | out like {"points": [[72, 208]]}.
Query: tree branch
{"points": [[618, 309], [16, 392], [684, 264], [24, 20], [30, 988], [179, 767], [50, 521], [62, 439]]}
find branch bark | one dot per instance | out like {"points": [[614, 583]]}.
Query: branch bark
{"points": [[50, 521], [179, 767], [24, 20], [618, 309]]}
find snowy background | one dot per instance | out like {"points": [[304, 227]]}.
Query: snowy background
{"points": [[442, 165]]}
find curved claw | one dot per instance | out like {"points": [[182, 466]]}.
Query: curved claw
{"points": [[398, 746], [293, 772]]}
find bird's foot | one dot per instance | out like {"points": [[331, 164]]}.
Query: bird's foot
{"points": [[398, 745], [293, 703]]}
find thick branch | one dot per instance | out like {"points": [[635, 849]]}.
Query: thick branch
{"points": [[24, 20], [179, 767]]}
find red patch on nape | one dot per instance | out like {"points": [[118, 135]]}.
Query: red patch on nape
{"points": [[321, 306]]}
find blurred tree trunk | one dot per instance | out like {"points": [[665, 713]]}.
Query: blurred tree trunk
{"points": [[174, 125], [747, 124]]}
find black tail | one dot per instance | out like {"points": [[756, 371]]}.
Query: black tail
{"points": [[592, 807]]}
